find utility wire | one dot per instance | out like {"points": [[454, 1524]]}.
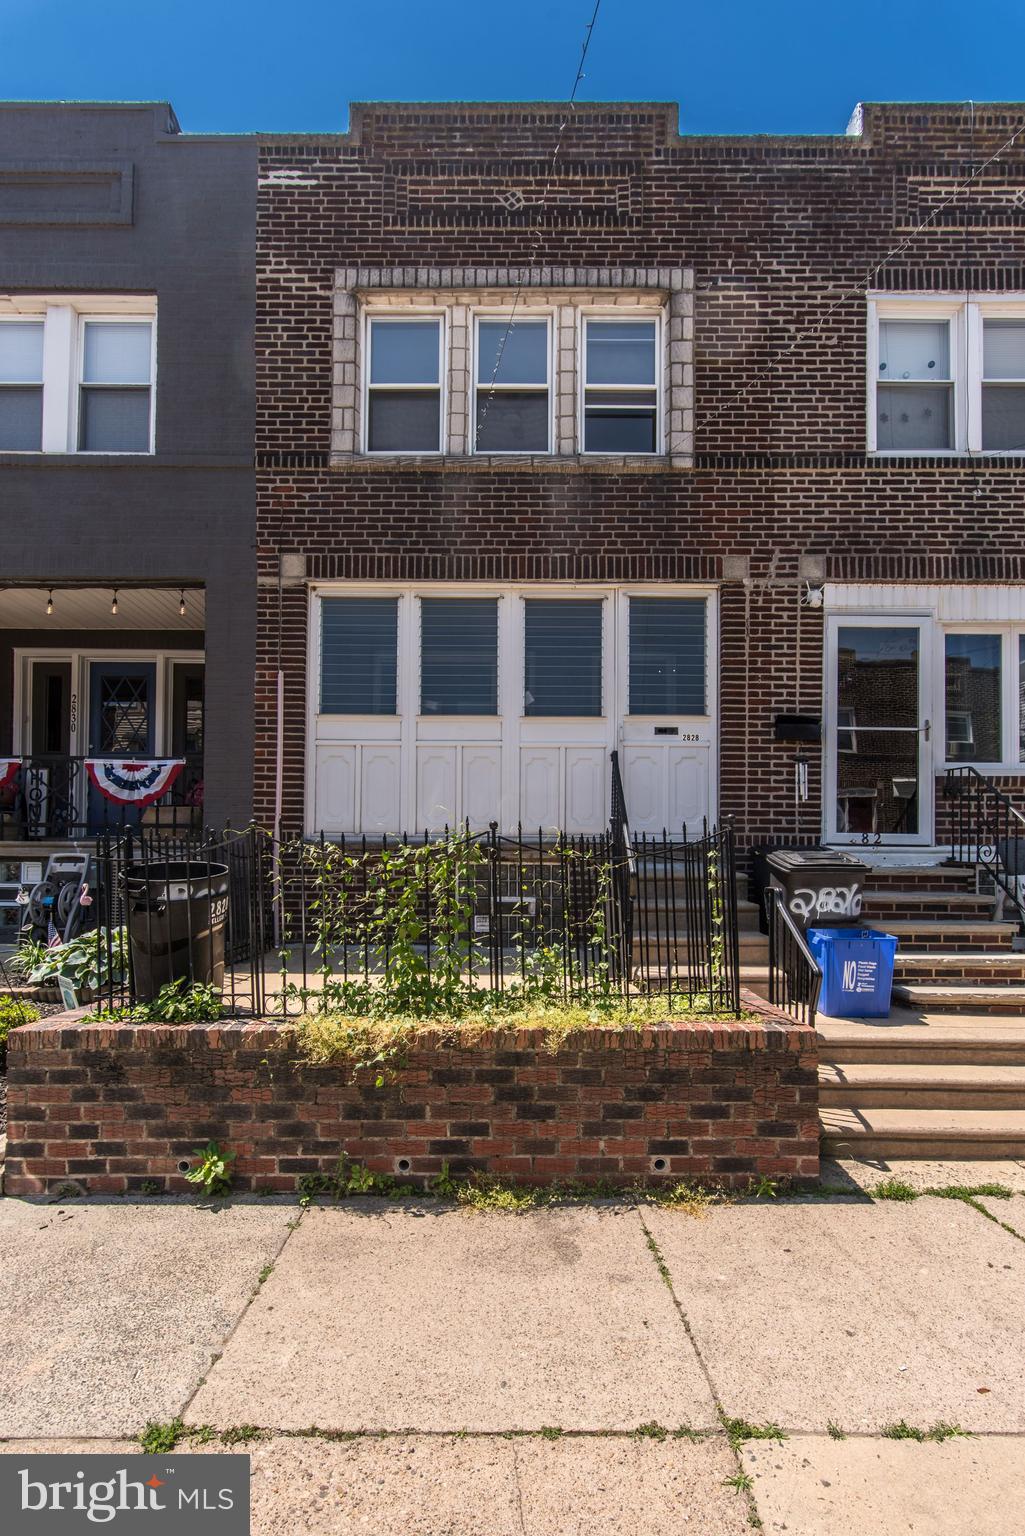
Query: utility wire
{"points": [[538, 230]]}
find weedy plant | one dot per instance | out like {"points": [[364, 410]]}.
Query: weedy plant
{"points": [[212, 1173]]}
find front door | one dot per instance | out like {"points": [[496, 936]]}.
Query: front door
{"points": [[122, 699], [878, 733]]}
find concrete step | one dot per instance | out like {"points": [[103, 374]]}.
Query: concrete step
{"points": [[750, 943], [878, 905], [959, 1134], [922, 1085], [947, 934], [964, 1039], [942, 967], [970, 997]]}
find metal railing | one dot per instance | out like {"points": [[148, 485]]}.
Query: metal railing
{"points": [[795, 979], [988, 831], [50, 797]]}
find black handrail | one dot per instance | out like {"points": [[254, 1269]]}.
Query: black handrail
{"points": [[795, 979], [624, 870], [987, 830]]}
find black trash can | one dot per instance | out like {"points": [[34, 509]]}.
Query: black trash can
{"points": [[761, 876], [176, 918], [823, 886]]}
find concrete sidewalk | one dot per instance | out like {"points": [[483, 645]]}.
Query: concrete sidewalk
{"points": [[589, 1369]]}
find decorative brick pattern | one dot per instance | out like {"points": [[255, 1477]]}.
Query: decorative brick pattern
{"points": [[112, 1107]]}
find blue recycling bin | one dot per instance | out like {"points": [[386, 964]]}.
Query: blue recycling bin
{"points": [[857, 971]]}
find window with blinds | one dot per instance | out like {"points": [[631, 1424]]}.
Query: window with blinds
{"points": [[562, 657], [459, 656], [359, 655], [667, 655]]}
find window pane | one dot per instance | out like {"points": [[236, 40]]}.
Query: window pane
{"points": [[404, 423], [562, 668], [21, 352], [1003, 349], [667, 655], [1003, 417], [877, 784], [914, 418], [358, 655], [21, 419], [1021, 697], [524, 356], [877, 675], [516, 423], [404, 351], [622, 429], [621, 352], [973, 698], [914, 349], [114, 421], [459, 656], [116, 354]]}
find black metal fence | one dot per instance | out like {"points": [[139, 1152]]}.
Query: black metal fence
{"points": [[795, 979], [50, 797], [311, 923], [988, 831]]}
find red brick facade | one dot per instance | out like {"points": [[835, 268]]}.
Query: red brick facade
{"points": [[114, 1108], [781, 235]]}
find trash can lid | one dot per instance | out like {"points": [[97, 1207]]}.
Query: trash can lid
{"points": [[785, 860]]}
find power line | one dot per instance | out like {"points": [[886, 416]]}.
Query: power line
{"points": [[538, 229]]}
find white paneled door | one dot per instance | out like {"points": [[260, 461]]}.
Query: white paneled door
{"points": [[434, 706]]}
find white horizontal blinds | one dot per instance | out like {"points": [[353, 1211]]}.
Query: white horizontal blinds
{"points": [[114, 409], [1003, 385], [562, 658], [459, 656], [667, 655], [359, 655], [21, 385], [915, 391], [513, 413], [620, 386], [973, 688], [404, 386]]}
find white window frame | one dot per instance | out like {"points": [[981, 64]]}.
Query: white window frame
{"points": [[79, 385], [371, 316], [62, 316], [966, 317], [521, 315], [624, 317], [39, 383], [1010, 761]]}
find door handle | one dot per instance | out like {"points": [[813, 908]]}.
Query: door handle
{"points": [[927, 728]]}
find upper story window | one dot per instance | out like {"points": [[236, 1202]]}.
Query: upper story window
{"points": [[947, 375], [620, 386], [77, 375], [512, 406], [404, 385]]}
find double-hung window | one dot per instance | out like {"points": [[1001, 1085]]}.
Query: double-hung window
{"points": [[512, 396], [984, 695], [620, 372], [404, 392], [947, 374], [21, 385], [77, 375]]}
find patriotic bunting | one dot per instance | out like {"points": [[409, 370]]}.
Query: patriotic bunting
{"points": [[134, 783], [8, 770]]}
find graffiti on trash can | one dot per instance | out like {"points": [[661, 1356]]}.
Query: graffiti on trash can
{"points": [[826, 901]]}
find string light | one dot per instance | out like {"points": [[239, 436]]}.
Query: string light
{"points": [[181, 602], [113, 605], [49, 600]]}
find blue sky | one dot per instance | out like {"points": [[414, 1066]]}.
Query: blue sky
{"points": [[775, 66]]}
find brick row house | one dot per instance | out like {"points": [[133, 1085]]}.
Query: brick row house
{"points": [[127, 562], [573, 441]]}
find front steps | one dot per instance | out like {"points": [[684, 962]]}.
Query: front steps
{"points": [[944, 1075]]}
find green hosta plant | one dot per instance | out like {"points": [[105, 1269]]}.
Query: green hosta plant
{"points": [[82, 960], [212, 1173]]}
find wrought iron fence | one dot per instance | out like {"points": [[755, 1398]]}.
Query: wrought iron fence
{"points": [[309, 922], [49, 797], [987, 830], [795, 979]]}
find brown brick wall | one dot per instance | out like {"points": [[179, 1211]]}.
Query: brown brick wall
{"points": [[778, 232], [111, 1108]]}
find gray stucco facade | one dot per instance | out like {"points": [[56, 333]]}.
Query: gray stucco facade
{"points": [[114, 199]]}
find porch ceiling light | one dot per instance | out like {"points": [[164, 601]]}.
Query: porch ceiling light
{"points": [[181, 602], [49, 600], [113, 605]]}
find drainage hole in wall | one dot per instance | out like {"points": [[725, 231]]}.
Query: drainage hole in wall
{"points": [[403, 1164], [660, 1165], [184, 1165]]}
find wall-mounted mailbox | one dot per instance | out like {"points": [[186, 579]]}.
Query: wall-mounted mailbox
{"points": [[798, 728], [667, 730]]}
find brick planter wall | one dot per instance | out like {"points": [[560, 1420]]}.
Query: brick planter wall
{"points": [[111, 1107]]}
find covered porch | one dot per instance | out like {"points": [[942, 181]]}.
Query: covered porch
{"points": [[93, 679]]}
